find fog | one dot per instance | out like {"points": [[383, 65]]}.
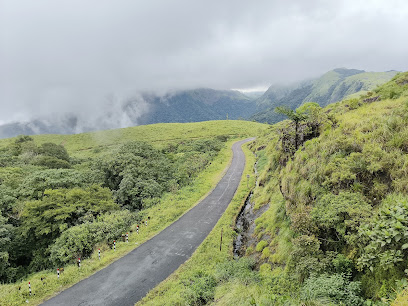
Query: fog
{"points": [[59, 57]]}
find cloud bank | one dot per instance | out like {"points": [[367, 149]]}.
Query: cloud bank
{"points": [[71, 56]]}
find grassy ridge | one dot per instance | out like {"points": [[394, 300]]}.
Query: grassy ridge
{"points": [[88, 144], [359, 163], [175, 290]]}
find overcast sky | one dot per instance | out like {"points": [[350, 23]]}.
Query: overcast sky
{"points": [[62, 55]]}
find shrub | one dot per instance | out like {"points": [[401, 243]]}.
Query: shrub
{"points": [[79, 241], [261, 245], [241, 270], [51, 162], [386, 236], [54, 150], [199, 288], [331, 289]]}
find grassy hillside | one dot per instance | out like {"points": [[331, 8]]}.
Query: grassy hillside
{"points": [[333, 86], [330, 213], [334, 229], [61, 202], [159, 135]]}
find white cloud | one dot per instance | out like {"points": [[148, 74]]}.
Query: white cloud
{"points": [[61, 56]]}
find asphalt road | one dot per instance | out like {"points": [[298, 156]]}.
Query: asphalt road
{"points": [[130, 278]]}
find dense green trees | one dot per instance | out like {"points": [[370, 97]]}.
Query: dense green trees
{"points": [[80, 240], [5, 240], [44, 220], [56, 208], [137, 171]]}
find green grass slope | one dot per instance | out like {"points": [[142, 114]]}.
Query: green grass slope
{"points": [[333, 217], [159, 135], [337, 206], [333, 86]]}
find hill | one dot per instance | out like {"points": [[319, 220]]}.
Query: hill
{"points": [[182, 106], [332, 208], [198, 105], [327, 221], [333, 86]]}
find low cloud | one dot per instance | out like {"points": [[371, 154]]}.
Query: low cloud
{"points": [[69, 56]]}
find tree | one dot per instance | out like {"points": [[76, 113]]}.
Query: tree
{"points": [[34, 185], [5, 239], [137, 172], [54, 150], [295, 116], [309, 112], [44, 220]]}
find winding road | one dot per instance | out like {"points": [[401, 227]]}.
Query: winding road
{"points": [[129, 279]]}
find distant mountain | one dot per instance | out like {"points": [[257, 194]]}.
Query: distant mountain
{"points": [[198, 105], [181, 106], [333, 86], [254, 94]]}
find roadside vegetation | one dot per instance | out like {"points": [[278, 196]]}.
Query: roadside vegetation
{"points": [[333, 185], [58, 204]]}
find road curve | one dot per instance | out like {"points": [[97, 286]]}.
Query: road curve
{"points": [[130, 278]]}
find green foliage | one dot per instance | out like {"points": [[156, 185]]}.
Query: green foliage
{"points": [[21, 144], [53, 150], [338, 217], [241, 270], [261, 245], [136, 172], [79, 240], [333, 289], [44, 220], [343, 265], [386, 236], [34, 185], [306, 258], [5, 240], [199, 288], [51, 162]]}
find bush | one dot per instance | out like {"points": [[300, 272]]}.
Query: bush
{"points": [[199, 288], [331, 289], [79, 241], [241, 270], [385, 237], [51, 162], [261, 245], [54, 150]]}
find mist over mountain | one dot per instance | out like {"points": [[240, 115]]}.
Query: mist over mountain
{"points": [[331, 87], [202, 104], [198, 105], [181, 106]]}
